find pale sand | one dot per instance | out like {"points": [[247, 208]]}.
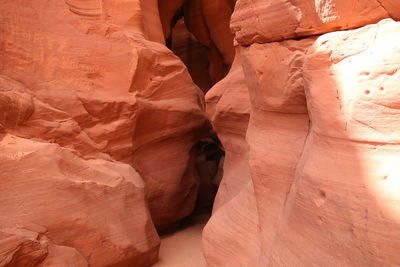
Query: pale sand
{"points": [[183, 248]]}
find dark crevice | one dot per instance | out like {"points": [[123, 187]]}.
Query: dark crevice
{"points": [[209, 157], [189, 37], [209, 160], [178, 15]]}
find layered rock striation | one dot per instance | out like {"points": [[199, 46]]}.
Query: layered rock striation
{"points": [[106, 139], [322, 137]]}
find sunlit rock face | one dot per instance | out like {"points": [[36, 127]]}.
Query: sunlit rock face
{"points": [[323, 140], [347, 171], [98, 119], [260, 21]]}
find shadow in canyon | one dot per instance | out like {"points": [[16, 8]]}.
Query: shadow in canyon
{"points": [[182, 243], [188, 36]]}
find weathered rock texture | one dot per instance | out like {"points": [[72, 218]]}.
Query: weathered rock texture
{"points": [[260, 21], [92, 208], [104, 138], [98, 120], [323, 138]]}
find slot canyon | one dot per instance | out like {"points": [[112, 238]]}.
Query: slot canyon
{"points": [[191, 133]]}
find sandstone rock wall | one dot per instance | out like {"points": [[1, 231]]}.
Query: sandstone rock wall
{"points": [[322, 137], [98, 120], [228, 106]]}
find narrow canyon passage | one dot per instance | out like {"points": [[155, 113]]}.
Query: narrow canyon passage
{"points": [[192, 133], [104, 139], [181, 246]]}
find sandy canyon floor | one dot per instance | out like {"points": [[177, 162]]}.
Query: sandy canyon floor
{"points": [[183, 248]]}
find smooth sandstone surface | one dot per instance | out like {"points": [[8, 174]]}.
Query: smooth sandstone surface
{"points": [[235, 210], [323, 151], [228, 106], [260, 21], [353, 188], [277, 129]]}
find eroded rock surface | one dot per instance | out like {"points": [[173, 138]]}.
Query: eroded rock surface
{"points": [[322, 137], [260, 21], [98, 120], [75, 203], [104, 134]]}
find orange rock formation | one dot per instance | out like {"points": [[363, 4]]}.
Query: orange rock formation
{"points": [[107, 138], [322, 137]]}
